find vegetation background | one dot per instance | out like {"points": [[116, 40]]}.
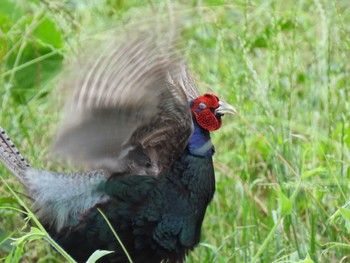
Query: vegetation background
{"points": [[282, 163]]}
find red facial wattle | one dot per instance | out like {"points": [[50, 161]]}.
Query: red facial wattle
{"points": [[207, 120], [206, 117]]}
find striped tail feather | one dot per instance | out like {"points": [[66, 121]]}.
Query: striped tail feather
{"points": [[11, 157]]}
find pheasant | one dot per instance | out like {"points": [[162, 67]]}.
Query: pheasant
{"points": [[135, 121]]}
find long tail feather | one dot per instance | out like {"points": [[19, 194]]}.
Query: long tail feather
{"points": [[11, 157]]}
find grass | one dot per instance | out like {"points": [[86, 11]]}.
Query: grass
{"points": [[282, 164]]}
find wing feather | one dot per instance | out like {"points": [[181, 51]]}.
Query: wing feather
{"points": [[127, 107]]}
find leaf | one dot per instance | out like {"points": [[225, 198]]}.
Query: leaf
{"points": [[33, 234], [19, 243], [316, 171], [345, 213], [15, 255], [286, 205], [97, 255], [7, 201], [12, 10], [36, 61], [211, 247], [48, 34], [306, 260]]}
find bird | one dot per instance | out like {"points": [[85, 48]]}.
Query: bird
{"points": [[138, 127]]}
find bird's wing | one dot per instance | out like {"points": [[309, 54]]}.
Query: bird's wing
{"points": [[127, 109]]}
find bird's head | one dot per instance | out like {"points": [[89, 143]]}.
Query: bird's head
{"points": [[208, 110]]}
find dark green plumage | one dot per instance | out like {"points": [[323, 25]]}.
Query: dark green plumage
{"points": [[163, 214]]}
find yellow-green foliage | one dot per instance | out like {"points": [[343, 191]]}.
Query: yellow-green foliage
{"points": [[281, 163]]}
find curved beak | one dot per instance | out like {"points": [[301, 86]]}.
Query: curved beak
{"points": [[225, 108]]}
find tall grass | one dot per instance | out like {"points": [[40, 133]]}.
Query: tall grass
{"points": [[281, 163]]}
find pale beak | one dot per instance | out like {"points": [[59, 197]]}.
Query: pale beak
{"points": [[225, 108]]}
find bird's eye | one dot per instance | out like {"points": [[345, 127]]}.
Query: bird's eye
{"points": [[202, 105]]}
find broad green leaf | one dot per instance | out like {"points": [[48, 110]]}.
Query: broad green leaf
{"points": [[11, 9], [48, 34], [35, 57], [97, 255], [7, 201]]}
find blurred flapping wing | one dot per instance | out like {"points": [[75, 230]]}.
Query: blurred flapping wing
{"points": [[127, 106]]}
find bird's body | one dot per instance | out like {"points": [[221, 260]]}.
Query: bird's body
{"points": [[137, 117], [164, 215], [157, 218]]}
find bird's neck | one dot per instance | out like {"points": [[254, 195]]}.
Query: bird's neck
{"points": [[200, 143]]}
